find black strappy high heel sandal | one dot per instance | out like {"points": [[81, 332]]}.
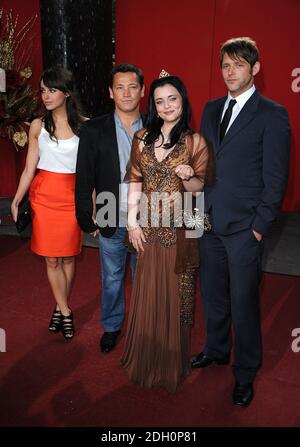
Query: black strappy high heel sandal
{"points": [[56, 321], [67, 326]]}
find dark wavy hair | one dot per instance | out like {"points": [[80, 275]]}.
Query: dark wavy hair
{"points": [[154, 122], [62, 79]]}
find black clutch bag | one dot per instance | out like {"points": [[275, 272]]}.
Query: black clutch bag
{"points": [[24, 215]]}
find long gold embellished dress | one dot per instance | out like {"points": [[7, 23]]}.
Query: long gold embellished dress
{"points": [[157, 349]]}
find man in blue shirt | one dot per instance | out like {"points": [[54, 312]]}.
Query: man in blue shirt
{"points": [[103, 154]]}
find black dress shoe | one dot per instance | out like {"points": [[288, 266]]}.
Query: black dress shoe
{"points": [[109, 340], [201, 361], [242, 394]]}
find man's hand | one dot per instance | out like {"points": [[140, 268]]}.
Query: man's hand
{"points": [[257, 235]]}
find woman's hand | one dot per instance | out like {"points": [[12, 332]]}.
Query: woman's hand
{"points": [[185, 172], [14, 211], [136, 238]]}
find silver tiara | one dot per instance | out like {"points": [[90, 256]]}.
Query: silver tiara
{"points": [[163, 74]]}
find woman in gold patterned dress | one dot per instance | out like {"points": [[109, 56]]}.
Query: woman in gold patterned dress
{"points": [[167, 157]]}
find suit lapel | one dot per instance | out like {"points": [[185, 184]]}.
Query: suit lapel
{"points": [[244, 117], [111, 140], [110, 135], [216, 119]]}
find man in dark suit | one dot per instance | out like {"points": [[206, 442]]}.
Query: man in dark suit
{"points": [[103, 153], [251, 138]]}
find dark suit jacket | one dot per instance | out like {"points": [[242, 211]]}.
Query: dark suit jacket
{"points": [[251, 164], [98, 167]]}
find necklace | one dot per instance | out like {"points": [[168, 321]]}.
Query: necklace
{"points": [[166, 138]]}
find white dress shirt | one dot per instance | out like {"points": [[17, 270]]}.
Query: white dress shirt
{"points": [[240, 102]]}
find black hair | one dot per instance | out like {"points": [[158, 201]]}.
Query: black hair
{"points": [[125, 68], [62, 79], [240, 47], [154, 122]]}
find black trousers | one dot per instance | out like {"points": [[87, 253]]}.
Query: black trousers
{"points": [[229, 279]]}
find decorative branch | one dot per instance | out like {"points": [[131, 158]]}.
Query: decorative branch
{"points": [[19, 103]]}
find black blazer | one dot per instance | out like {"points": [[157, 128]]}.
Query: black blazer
{"points": [[98, 167], [251, 164]]}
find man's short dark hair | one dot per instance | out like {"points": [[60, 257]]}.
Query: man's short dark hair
{"points": [[125, 68], [240, 47]]}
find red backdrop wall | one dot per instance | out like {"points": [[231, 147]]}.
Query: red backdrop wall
{"points": [[184, 39]]}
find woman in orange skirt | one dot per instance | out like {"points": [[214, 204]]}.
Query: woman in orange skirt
{"points": [[53, 145]]}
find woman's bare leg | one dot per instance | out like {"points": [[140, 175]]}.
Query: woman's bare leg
{"points": [[59, 283]]}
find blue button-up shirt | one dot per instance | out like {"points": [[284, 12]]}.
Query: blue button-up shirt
{"points": [[124, 141]]}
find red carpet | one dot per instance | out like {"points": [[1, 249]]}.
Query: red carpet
{"points": [[45, 381]]}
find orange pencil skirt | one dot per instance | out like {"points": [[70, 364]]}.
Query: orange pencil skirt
{"points": [[55, 231]]}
